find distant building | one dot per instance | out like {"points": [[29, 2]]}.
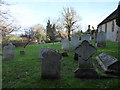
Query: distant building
{"points": [[109, 26]]}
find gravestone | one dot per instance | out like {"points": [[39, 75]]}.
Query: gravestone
{"points": [[9, 52], [22, 52], [74, 42], [101, 39], [108, 63], [42, 50], [85, 52], [65, 45], [51, 65], [0, 46], [85, 37], [42, 42]]}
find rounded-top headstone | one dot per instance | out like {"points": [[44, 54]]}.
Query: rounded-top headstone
{"points": [[9, 52]]}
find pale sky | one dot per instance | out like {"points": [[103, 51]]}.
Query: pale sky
{"points": [[31, 12]]}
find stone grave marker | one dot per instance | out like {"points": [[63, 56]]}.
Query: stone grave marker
{"points": [[0, 46], [74, 42], [42, 50], [85, 52], [51, 65], [65, 45], [101, 39], [9, 52], [108, 63], [22, 52], [85, 37]]}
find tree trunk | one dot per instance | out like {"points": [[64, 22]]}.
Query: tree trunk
{"points": [[27, 44], [69, 34], [53, 42]]}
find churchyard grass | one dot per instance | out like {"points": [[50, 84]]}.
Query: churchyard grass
{"points": [[25, 70]]}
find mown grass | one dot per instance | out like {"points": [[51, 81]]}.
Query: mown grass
{"points": [[25, 70]]}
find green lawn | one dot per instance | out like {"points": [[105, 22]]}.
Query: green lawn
{"points": [[25, 70]]}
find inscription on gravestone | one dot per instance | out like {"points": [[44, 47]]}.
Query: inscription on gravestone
{"points": [[85, 52], [108, 63]]}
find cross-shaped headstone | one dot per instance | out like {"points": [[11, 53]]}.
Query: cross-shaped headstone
{"points": [[85, 52]]}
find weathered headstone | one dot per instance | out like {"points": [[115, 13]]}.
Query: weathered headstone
{"points": [[85, 52], [22, 52], [0, 46], [108, 63], [85, 37], [9, 52], [51, 65], [42, 50], [65, 45], [74, 42], [101, 39], [42, 42]]}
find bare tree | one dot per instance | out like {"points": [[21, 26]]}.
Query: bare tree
{"points": [[29, 34], [70, 19], [7, 22]]}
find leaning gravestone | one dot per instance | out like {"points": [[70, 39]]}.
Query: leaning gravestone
{"points": [[9, 52], [108, 63], [51, 65], [86, 37], [65, 45], [85, 52], [101, 39], [74, 42], [42, 50]]}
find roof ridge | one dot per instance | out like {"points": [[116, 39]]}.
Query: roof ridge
{"points": [[109, 18]]}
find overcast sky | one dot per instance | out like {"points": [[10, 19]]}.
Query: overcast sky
{"points": [[31, 12]]}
